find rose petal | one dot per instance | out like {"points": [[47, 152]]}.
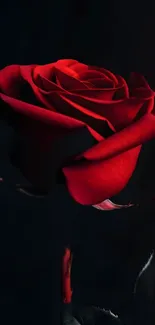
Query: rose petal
{"points": [[93, 93], [11, 80], [88, 84], [40, 113], [92, 182], [106, 73], [141, 92], [108, 92], [68, 81], [101, 83], [46, 85], [119, 114], [93, 74], [139, 132], [66, 104], [46, 79], [26, 73], [112, 163], [54, 119], [76, 66], [137, 80], [46, 71], [122, 90]]}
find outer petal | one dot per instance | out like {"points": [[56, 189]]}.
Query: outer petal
{"points": [[118, 114], [128, 138], [111, 164], [40, 113], [27, 75], [11, 80], [93, 182]]}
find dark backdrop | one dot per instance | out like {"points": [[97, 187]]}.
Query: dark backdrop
{"points": [[116, 35]]}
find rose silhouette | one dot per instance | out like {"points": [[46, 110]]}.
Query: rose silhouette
{"points": [[49, 101]]}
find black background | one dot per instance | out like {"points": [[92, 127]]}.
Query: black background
{"points": [[118, 36]]}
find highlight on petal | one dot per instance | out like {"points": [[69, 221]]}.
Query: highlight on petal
{"points": [[108, 205], [69, 81], [74, 65], [45, 71]]}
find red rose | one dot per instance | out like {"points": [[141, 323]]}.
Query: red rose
{"points": [[55, 98]]}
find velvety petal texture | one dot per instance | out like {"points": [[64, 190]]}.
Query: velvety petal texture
{"points": [[53, 99]]}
